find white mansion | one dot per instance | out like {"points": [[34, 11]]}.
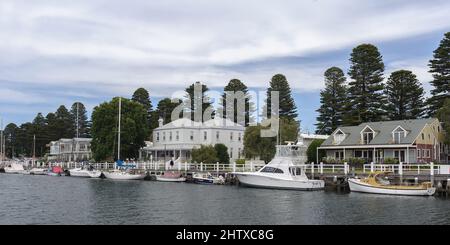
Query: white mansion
{"points": [[70, 150], [176, 140]]}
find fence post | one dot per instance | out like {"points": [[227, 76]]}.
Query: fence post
{"points": [[400, 168], [201, 167], [431, 168], [179, 166], [251, 166], [321, 167], [371, 167], [312, 167], [185, 166], [217, 166], [234, 166], [345, 168]]}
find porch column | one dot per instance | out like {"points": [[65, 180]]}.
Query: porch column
{"points": [[344, 153], [374, 159], [407, 155]]}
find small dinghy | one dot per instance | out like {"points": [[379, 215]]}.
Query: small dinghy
{"points": [[207, 179], [38, 171], [171, 176], [56, 171], [373, 185]]}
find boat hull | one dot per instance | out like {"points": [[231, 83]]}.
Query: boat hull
{"points": [[258, 181], [85, 173], [163, 179], [122, 176], [14, 171], [38, 171], [204, 181], [358, 186]]}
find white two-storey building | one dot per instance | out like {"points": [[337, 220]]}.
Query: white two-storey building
{"points": [[176, 140], [70, 150]]}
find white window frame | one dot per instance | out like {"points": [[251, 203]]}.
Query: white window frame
{"points": [[396, 132], [363, 133], [339, 136]]}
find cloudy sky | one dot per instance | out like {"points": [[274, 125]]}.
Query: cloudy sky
{"points": [[58, 52]]}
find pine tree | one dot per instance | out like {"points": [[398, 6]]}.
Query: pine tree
{"points": [[365, 92], [444, 116], [164, 110], [80, 120], [287, 108], [404, 95], [63, 123], [332, 99], [197, 100], [440, 68], [242, 114], [11, 140], [142, 96]]}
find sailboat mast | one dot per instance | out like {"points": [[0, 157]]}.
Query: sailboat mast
{"points": [[118, 135], [34, 148], [2, 153]]}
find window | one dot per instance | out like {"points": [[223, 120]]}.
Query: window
{"points": [[231, 136], [205, 135], [177, 135], [239, 153], [271, 170], [231, 152], [164, 136], [418, 153], [339, 155], [398, 134], [240, 137], [157, 137], [217, 135], [423, 136], [358, 154], [367, 135], [339, 136], [170, 136], [192, 136]]}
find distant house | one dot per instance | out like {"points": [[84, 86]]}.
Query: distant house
{"points": [[307, 139], [408, 141], [176, 140], [70, 150]]}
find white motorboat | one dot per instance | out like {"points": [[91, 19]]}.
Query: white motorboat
{"points": [[374, 185], [285, 171], [84, 172], [207, 179], [14, 168], [38, 171], [123, 175], [171, 176]]}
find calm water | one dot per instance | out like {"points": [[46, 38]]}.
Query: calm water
{"points": [[69, 200]]}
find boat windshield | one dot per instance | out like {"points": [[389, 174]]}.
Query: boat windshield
{"points": [[295, 171], [271, 170]]}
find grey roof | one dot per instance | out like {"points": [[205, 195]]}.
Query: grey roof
{"points": [[383, 132]]}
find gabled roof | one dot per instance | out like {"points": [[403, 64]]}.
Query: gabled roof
{"points": [[384, 131]]}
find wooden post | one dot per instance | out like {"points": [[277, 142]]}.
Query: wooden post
{"points": [[251, 166], [179, 166], [321, 167], [234, 166], [431, 168], [371, 167], [201, 167], [217, 166], [345, 168], [400, 168]]}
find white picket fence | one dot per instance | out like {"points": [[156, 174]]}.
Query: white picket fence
{"points": [[431, 168]]}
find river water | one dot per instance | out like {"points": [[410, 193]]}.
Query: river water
{"points": [[27, 199]]}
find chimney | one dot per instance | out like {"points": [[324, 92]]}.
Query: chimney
{"points": [[161, 122]]}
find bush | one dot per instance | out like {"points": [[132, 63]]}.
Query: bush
{"points": [[222, 153], [311, 152], [356, 162], [390, 160], [240, 161]]}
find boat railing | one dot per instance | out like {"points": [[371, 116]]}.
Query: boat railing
{"points": [[430, 168]]}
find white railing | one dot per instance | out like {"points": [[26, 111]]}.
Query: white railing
{"points": [[159, 166], [401, 168], [322, 168]]}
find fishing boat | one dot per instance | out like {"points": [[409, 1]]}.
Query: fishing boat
{"points": [[123, 171], [86, 172], [374, 184], [171, 176], [207, 179], [285, 171], [14, 168], [55, 171]]}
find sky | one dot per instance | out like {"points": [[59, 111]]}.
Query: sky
{"points": [[57, 52]]}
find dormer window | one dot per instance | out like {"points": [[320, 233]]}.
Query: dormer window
{"points": [[339, 136], [367, 135], [398, 134]]}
